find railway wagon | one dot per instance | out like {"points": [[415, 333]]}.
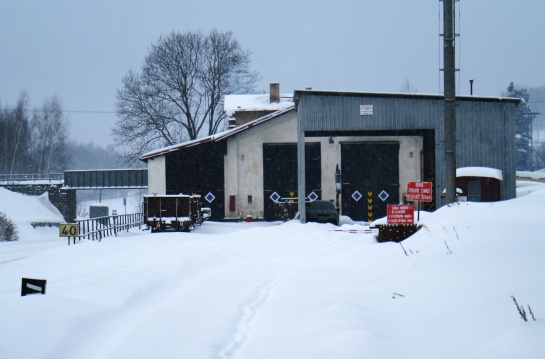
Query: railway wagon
{"points": [[175, 212]]}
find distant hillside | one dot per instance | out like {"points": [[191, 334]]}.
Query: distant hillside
{"points": [[89, 156]]}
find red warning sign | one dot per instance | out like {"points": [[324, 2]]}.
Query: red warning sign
{"points": [[400, 214], [419, 191]]}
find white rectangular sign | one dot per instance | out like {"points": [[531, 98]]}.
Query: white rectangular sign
{"points": [[366, 110]]}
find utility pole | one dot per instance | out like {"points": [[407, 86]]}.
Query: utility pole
{"points": [[450, 97]]}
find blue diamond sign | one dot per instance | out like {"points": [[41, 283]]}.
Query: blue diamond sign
{"points": [[209, 197], [383, 195], [357, 196], [312, 196], [275, 197]]}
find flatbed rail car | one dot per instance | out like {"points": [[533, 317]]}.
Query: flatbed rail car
{"points": [[176, 212]]}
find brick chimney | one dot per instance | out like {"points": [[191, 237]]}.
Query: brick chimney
{"points": [[275, 92]]}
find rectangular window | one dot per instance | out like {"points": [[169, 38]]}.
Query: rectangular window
{"points": [[474, 190], [249, 199]]}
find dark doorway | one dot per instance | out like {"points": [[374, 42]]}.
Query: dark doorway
{"points": [[199, 170], [280, 174], [370, 179]]}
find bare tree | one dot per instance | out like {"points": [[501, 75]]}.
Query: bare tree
{"points": [[49, 136], [179, 92], [15, 137], [408, 87]]}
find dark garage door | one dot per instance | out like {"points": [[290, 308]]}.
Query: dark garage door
{"points": [[370, 178], [280, 173], [199, 170]]}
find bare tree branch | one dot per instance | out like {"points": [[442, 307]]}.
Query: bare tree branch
{"points": [[180, 90]]}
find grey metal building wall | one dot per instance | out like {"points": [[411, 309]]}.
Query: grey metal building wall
{"points": [[486, 137], [485, 126], [341, 112]]}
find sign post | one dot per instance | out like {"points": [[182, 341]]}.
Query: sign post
{"points": [[69, 230], [419, 192]]}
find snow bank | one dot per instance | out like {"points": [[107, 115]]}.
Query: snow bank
{"points": [[24, 210], [27, 209], [288, 290]]}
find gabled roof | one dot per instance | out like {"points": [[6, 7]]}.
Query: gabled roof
{"points": [[216, 137]]}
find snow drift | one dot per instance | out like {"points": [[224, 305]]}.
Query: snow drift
{"points": [[285, 290]]}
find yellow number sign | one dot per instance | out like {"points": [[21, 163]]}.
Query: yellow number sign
{"points": [[69, 230]]}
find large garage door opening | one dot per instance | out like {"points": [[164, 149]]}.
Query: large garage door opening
{"points": [[280, 174], [370, 179]]}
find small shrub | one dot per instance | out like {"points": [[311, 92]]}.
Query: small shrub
{"points": [[8, 230], [522, 312]]}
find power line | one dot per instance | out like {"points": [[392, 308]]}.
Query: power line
{"points": [[65, 111], [89, 111]]}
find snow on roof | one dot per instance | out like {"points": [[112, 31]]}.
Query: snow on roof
{"points": [[217, 137], [254, 103], [98, 205], [298, 93], [539, 174], [479, 172]]}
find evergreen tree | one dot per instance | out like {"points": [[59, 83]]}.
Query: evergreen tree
{"points": [[524, 159]]}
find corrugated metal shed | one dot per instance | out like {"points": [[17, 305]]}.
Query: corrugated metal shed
{"points": [[485, 125]]}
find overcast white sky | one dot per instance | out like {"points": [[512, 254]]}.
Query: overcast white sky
{"points": [[80, 50]]}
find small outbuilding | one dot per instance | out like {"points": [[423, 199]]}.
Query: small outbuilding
{"points": [[479, 184]]}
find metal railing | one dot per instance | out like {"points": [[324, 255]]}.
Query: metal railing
{"points": [[100, 227], [25, 177]]}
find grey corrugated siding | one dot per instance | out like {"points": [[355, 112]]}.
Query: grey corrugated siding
{"points": [[339, 113], [486, 137], [485, 126]]}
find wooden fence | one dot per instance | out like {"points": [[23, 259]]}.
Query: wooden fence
{"points": [[100, 227]]}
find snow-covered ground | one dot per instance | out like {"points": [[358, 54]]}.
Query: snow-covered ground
{"points": [[281, 290]]}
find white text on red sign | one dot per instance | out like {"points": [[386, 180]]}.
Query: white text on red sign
{"points": [[419, 191], [400, 214]]}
